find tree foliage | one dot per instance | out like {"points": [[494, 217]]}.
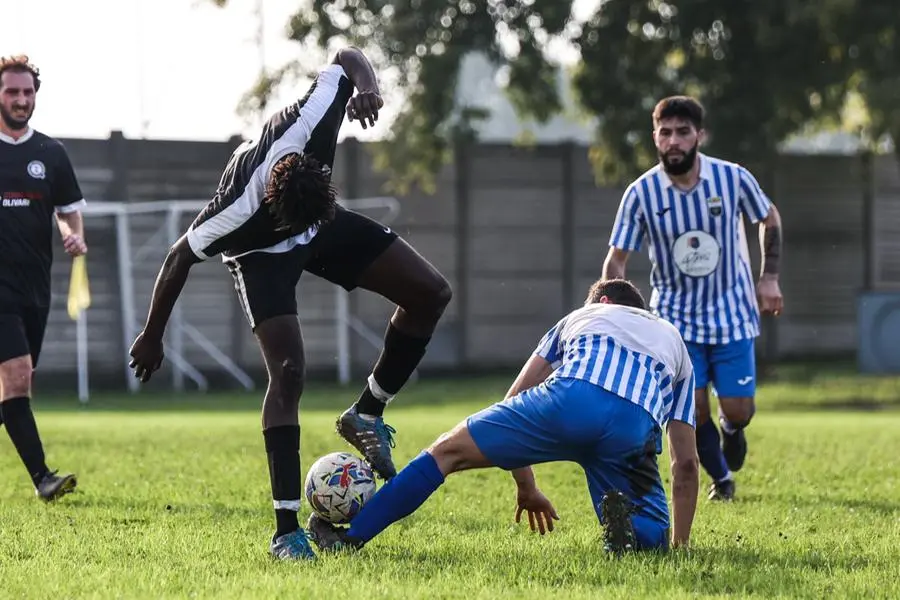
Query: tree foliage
{"points": [[763, 68]]}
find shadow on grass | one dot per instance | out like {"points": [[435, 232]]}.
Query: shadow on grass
{"points": [[143, 511], [714, 571]]}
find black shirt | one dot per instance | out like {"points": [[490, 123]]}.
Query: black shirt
{"points": [[235, 221], [36, 179]]}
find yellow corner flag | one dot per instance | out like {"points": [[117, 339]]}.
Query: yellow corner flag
{"points": [[79, 291]]}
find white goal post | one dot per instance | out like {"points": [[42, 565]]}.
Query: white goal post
{"points": [[169, 214]]}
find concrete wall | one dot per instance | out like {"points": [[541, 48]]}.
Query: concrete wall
{"points": [[520, 233]]}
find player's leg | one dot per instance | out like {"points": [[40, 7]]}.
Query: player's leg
{"points": [[518, 432], [618, 446], [21, 337], [709, 448], [734, 378], [266, 284], [355, 251]]}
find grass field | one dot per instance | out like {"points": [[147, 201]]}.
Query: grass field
{"points": [[174, 503]]}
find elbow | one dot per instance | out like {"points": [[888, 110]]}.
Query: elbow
{"points": [[686, 469], [613, 267], [773, 219], [180, 256], [347, 53]]}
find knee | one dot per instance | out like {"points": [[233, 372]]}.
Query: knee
{"points": [[738, 411], [286, 386], [448, 453], [702, 414], [438, 295], [15, 377], [293, 379], [650, 534], [701, 406]]}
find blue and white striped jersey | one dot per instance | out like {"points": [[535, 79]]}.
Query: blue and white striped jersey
{"points": [[701, 275], [627, 351]]}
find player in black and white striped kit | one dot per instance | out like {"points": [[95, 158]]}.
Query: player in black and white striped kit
{"points": [[274, 216]]}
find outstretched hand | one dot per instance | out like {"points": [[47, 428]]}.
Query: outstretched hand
{"points": [[364, 106], [146, 356], [541, 513]]}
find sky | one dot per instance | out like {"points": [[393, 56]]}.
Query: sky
{"points": [[164, 69]]}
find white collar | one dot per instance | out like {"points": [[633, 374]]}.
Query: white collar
{"points": [[21, 140]]}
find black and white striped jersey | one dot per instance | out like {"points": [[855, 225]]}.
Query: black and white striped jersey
{"points": [[236, 222]]}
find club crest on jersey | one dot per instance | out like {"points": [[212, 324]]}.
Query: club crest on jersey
{"points": [[37, 169], [715, 206]]}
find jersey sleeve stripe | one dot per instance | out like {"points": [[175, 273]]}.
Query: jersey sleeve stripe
{"points": [[70, 208], [316, 107]]}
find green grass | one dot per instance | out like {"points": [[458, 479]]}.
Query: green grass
{"points": [[174, 503]]}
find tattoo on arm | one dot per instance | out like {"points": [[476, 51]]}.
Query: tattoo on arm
{"points": [[771, 248]]}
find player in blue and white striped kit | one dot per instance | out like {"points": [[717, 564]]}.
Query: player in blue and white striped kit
{"points": [[689, 209], [599, 390]]}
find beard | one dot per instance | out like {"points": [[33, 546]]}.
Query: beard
{"points": [[682, 166], [12, 122]]}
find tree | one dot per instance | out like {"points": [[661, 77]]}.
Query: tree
{"points": [[763, 68], [869, 34]]}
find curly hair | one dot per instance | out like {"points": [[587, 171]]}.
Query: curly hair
{"points": [[299, 193], [619, 291], [19, 64]]}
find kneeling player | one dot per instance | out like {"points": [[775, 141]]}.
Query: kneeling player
{"points": [[599, 389]]}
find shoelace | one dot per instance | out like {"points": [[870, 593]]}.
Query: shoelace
{"points": [[299, 543], [385, 432]]}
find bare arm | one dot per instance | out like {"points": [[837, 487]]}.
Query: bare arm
{"points": [[358, 69], [365, 105], [169, 283], [614, 265], [147, 350], [685, 468], [71, 230], [533, 373], [71, 223], [770, 242]]}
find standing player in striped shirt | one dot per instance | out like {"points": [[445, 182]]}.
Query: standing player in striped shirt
{"points": [[689, 207], [598, 390], [275, 216]]}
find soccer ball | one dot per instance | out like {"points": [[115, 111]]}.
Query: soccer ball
{"points": [[338, 485]]}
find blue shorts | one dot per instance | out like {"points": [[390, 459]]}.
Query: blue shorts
{"points": [[731, 367], [615, 441]]}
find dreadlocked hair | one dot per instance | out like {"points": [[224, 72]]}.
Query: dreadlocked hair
{"points": [[299, 193], [19, 64]]}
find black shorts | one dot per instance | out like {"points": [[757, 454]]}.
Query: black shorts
{"points": [[341, 251], [22, 331]]}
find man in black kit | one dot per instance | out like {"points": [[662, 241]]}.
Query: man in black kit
{"points": [[36, 182], [274, 216]]}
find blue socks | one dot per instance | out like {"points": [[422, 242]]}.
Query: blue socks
{"points": [[397, 498], [709, 451]]}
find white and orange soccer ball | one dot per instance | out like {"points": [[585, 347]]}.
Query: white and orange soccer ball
{"points": [[338, 485]]}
